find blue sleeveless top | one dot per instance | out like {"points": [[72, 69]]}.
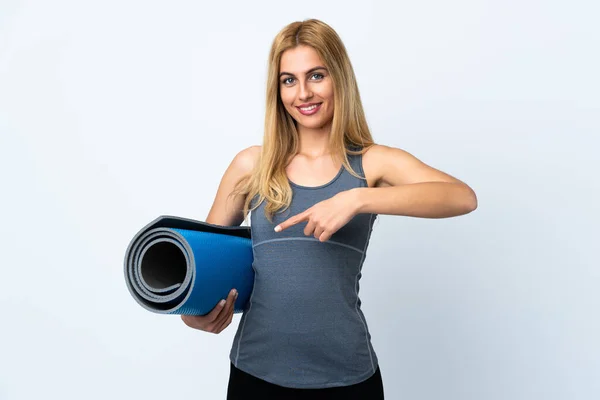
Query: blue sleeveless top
{"points": [[303, 326]]}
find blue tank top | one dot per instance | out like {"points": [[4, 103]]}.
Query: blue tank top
{"points": [[303, 326]]}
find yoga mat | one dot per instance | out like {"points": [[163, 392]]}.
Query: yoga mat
{"points": [[178, 265]]}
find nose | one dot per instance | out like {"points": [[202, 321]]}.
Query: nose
{"points": [[305, 92]]}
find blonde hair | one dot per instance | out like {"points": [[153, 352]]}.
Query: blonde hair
{"points": [[269, 182]]}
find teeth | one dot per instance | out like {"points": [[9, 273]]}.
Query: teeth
{"points": [[309, 108]]}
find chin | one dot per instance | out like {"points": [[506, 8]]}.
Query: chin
{"points": [[312, 124]]}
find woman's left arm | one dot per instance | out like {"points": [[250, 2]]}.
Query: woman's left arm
{"points": [[401, 184], [398, 184]]}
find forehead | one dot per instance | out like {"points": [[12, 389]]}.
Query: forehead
{"points": [[299, 59]]}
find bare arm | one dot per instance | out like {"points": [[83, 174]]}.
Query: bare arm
{"points": [[401, 184], [227, 210]]}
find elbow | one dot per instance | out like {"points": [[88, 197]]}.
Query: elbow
{"points": [[470, 200], [465, 199]]}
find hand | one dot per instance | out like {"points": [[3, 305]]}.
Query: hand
{"points": [[326, 217], [215, 321]]}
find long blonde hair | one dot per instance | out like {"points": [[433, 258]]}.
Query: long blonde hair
{"points": [[280, 143]]}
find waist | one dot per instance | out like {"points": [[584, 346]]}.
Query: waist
{"points": [[304, 350]]}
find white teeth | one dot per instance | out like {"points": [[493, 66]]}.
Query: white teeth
{"points": [[309, 108]]}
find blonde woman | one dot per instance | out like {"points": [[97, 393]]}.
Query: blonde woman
{"points": [[313, 190]]}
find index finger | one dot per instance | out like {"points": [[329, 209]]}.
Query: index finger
{"points": [[291, 221]]}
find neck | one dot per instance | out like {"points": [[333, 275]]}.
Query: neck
{"points": [[314, 142]]}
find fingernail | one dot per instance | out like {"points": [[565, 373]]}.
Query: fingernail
{"points": [[277, 228], [222, 303], [236, 294]]}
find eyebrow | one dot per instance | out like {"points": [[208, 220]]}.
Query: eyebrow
{"points": [[307, 72]]}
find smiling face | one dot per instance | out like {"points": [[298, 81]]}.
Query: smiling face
{"points": [[306, 88]]}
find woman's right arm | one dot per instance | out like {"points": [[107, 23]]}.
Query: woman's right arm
{"points": [[226, 211]]}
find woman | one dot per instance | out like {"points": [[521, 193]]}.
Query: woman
{"points": [[314, 188]]}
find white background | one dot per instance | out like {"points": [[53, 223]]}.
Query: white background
{"points": [[115, 112]]}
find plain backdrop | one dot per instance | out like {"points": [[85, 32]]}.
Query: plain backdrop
{"points": [[115, 112]]}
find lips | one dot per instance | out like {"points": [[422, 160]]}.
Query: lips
{"points": [[309, 109]]}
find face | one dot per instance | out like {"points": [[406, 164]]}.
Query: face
{"points": [[306, 88]]}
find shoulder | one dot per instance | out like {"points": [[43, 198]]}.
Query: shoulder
{"points": [[374, 162], [245, 160], [379, 154], [377, 151]]}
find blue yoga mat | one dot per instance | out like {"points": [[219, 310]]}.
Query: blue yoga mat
{"points": [[177, 265]]}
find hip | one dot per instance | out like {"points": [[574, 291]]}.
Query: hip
{"points": [[243, 385]]}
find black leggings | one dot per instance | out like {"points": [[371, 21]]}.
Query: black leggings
{"points": [[243, 386]]}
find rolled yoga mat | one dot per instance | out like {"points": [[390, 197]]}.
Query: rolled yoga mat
{"points": [[181, 266]]}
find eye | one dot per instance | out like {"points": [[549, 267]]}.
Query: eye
{"points": [[317, 74], [285, 81]]}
